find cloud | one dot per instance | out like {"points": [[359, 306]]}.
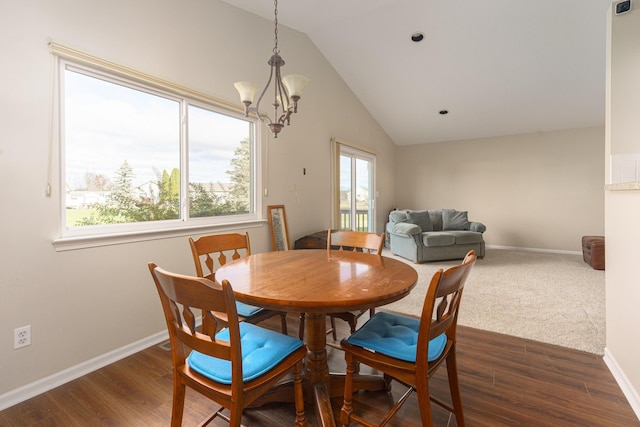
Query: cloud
{"points": [[108, 123]]}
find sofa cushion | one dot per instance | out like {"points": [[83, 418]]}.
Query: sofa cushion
{"points": [[420, 218], [436, 219], [454, 220], [438, 238], [406, 229], [397, 216], [477, 226], [464, 237]]}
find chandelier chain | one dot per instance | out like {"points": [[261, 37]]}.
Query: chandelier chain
{"points": [[275, 21]]}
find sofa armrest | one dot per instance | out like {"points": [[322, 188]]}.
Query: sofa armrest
{"points": [[477, 226], [406, 229]]}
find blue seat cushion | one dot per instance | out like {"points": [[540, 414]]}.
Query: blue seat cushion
{"points": [[395, 336], [262, 349], [246, 310]]}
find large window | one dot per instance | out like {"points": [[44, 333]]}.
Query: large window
{"points": [[138, 157]]}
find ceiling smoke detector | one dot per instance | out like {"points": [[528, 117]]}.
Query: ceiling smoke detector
{"points": [[417, 37]]}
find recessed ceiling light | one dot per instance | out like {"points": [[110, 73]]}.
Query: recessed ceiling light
{"points": [[417, 37], [443, 112]]}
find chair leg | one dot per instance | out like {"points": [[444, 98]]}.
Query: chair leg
{"points": [[347, 408], [301, 326], [333, 328], [283, 322], [235, 418], [301, 421], [424, 405], [353, 324], [387, 383], [454, 387], [177, 410]]}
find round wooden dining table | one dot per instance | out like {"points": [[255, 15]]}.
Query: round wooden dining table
{"points": [[318, 282]]}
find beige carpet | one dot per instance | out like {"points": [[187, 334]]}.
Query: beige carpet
{"points": [[553, 298]]}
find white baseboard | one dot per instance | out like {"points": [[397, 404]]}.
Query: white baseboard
{"points": [[550, 251], [627, 389], [42, 385]]}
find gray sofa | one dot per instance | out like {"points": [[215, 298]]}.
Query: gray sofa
{"points": [[434, 235]]}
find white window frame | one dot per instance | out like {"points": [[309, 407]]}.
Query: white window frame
{"points": [[91, 236]]}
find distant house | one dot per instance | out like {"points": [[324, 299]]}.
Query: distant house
{"points": [[218, 188], [221, 189], [82, 199]]}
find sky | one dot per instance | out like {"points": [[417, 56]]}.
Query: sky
{"points": [[106, 124]]}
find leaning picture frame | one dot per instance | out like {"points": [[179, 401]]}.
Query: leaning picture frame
{"points": [[279, 230]]}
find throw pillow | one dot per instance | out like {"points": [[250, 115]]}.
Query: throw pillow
{"points": [[397, 216], [421, 219], [454, 220]]}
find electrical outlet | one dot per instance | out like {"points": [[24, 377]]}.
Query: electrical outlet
{"points": [[22, 337]]}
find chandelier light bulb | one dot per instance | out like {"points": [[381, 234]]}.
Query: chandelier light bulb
{"points": [[247, 91], [295, 84]]}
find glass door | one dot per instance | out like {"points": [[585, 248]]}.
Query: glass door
{"points": [[357, 189]]}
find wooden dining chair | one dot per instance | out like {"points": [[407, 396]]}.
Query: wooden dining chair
{"points": [[353, 241], [232, 367], [411, 350], [212, 251]]}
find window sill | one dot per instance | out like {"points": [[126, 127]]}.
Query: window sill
{"points": [[82, 242], [623, 186]]}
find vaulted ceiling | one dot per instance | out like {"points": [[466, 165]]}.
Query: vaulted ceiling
{"points": [[499, 67]]}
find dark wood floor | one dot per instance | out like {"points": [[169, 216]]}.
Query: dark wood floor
{"points": [[505, 381]]}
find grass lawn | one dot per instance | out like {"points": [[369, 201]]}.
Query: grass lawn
{"points": [[75, 215]]}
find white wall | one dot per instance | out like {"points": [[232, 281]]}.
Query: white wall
{"points": [[541, 191], [85, 303], [622, 208]]}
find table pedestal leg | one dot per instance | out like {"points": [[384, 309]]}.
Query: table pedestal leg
{"points": [[316, 365], [320, 385], [317, 368]]}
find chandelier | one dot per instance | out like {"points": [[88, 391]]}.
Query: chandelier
{"points": [[287, 90]]}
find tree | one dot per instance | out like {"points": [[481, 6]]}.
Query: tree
{"points": [[203, 203], [170, 185], [120, 201], [240, 177], [95, 182], [126, 204], [160, 200]]}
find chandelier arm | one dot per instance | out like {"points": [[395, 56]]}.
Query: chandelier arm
{"points": [[263, 116], [285, 118], [282, 97]]}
